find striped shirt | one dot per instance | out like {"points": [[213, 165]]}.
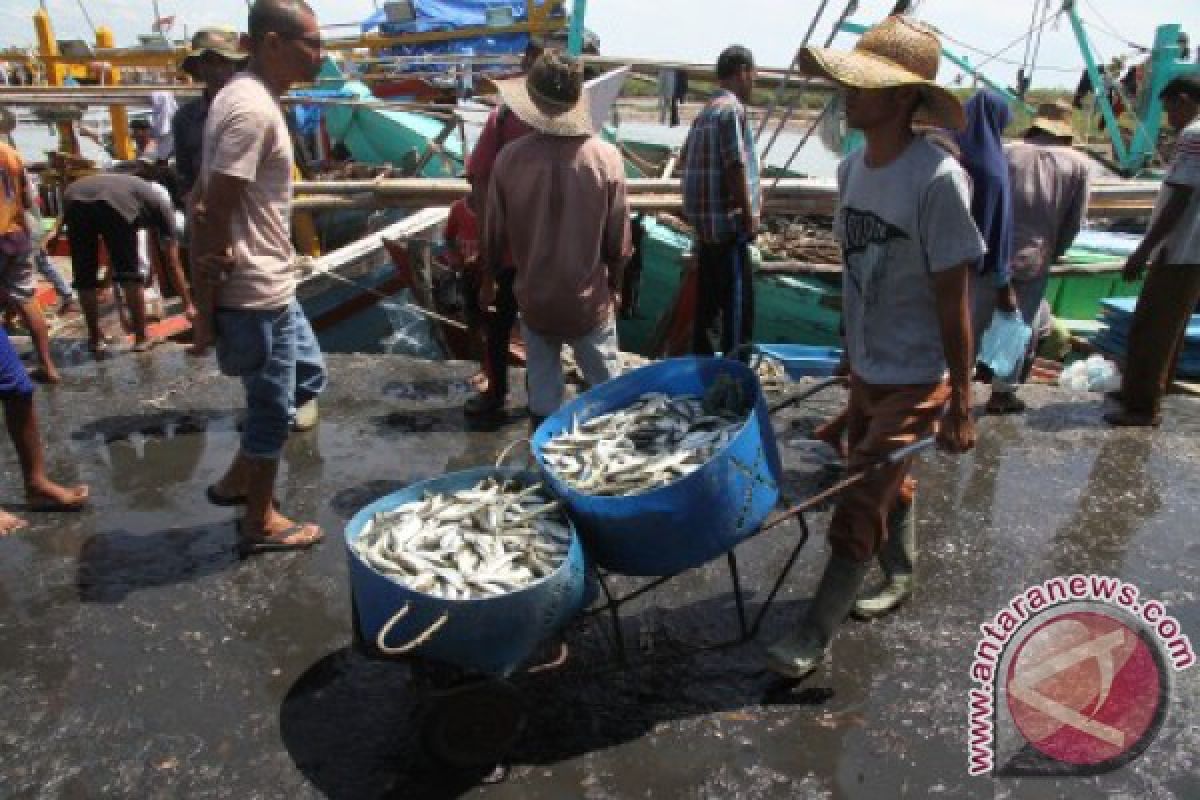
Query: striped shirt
{"points": [[1182, 245], [719, 138]]}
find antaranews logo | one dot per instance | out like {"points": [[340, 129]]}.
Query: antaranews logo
{"points": [[1072, 677]]}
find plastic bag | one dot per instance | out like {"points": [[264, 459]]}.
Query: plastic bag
{"points": [[1095, 374], [1004, 345]]}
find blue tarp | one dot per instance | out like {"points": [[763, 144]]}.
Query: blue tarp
{"points": [[507, 44], [435, 15]]}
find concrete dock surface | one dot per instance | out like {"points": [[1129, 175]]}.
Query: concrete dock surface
{"points": [[139, 657]]}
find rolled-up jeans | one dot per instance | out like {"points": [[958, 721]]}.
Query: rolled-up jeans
{"points": [[595, 352], [276, 355]]}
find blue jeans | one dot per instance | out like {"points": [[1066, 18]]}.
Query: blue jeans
{"points": [[276, 355], [45, 266]]}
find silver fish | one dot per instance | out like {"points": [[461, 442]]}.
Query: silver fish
{"points": [[493, 538], [651, 443]]}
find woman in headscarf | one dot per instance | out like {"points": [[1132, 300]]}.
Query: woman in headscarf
{"points": [[981, 149]]}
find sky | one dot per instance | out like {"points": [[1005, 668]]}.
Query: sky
{"points": [[697, 30]]}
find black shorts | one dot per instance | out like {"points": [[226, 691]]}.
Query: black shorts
{"points": [[87, 224]]}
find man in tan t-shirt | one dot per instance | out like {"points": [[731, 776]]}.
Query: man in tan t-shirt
{"points": [[246, 285], [558, 201]]}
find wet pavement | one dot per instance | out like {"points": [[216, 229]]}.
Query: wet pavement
{"points": [[140, 658]]}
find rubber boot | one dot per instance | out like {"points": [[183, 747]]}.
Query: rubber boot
{"points": [[897, 559], [798, 654]]}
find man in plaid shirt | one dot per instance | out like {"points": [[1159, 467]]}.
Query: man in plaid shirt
{"points": [[721, 201]]}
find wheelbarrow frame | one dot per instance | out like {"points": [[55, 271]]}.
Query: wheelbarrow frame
{"points": [[465, 691]]}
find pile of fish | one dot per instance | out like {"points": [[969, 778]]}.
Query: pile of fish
{"points": [[491, 539], [649, 444], [799, 239]]}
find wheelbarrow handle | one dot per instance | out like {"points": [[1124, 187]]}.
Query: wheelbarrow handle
{"points": [[894, 457], [805, 393]]}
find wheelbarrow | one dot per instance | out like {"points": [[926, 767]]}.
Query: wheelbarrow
{"points": [[471, 720], [469, 650]]}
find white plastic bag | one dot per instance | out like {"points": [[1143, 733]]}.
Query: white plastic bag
{"points": [[412, 333], [1096, 374]]}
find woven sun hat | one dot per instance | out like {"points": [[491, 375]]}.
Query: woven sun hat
{"points": [[223, 42], [1055, 119], [897, 52], [551, 98]]}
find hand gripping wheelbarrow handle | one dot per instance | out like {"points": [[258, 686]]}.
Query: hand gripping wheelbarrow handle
{"points": [[894, 457]]}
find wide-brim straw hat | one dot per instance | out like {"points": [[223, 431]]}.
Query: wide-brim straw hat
{"points": [[551, 98], [223, 42], [1054, 119], [897, 52]]}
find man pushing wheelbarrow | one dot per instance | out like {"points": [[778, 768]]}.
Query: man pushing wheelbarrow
{"points": [[905, 228]]}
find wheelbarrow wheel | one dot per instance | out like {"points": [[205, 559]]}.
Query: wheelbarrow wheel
{"points": [[474, 725]]}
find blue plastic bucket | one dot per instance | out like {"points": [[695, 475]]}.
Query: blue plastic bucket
{"points": [[802, 360], [491, 635], [696, 518]]}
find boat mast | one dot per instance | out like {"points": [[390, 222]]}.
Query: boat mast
{"points": [[575, 34]]}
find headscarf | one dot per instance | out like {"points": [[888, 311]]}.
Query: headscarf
{"points": [[991, 198]]}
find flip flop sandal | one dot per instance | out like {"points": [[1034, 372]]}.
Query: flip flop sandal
{"points": [[277, 543]]}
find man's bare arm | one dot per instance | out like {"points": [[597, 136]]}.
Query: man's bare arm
{"points": [[1172, 213], [956, 433], [212, 245]]}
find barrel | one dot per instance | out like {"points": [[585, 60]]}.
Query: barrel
{"points": [[694, 519], [491, 635]]}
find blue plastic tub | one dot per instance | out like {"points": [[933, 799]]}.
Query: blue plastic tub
{"points": [[491, 635], [696, 518], [803, 361]]}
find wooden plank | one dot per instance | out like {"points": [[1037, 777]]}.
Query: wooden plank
{"points": [[372, 243]]}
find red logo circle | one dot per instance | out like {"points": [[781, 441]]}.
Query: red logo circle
{"points": [[1084, 688]]}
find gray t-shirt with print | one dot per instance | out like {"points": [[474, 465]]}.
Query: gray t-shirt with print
{"points": [[897, 225]]}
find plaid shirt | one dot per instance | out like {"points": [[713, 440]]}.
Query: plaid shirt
{"points": [[719, 138]]}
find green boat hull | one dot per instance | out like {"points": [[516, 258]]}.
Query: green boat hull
{"points": [[803, 310]]}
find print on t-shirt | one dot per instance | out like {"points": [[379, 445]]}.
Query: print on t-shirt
{"points": [[866, 236]]}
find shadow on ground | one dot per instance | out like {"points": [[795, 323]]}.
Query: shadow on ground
{"points": [[353, 724]]}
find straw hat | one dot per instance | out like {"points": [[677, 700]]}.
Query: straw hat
{"points": [[221, 41], [551, 98], [897, 52], [1055, 119]]}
